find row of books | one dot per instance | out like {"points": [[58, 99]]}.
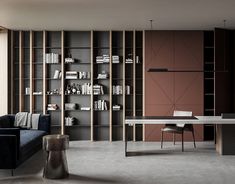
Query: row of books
{"points": [[100, 105], [57, 74], [102, 59], [98, 89], [86, 89], [117, 90], [52, 58], [69, 121], [77, 75], [106, 59]]}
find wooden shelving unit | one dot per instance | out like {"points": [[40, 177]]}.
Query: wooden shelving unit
{"points": [[209, 82], [29, 51]]}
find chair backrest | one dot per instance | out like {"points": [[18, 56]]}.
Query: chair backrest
{"points": [[182, 113]]}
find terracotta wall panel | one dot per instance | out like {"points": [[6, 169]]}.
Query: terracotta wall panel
{"points": [[166, 92]]}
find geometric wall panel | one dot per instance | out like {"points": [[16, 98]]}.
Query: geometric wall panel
{"points": [[169, 91]]}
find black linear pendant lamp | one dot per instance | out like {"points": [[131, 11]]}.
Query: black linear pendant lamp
{"points": [[182, 71]]}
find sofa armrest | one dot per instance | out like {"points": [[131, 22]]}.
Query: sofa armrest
{"points": [[45, 123], [8, 153], [12, 131]]}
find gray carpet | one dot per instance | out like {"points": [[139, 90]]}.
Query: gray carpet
{"points": [[104, 162]]}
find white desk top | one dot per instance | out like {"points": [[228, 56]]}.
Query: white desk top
{"points": [[199, 120]]}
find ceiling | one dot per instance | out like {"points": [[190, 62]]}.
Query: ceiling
{"points": [[116, 14]]}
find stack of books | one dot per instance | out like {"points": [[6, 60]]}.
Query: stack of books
{"points": [[102, 59], [71, 75], [100, 105], [98, 89], [129, 60], [52, 107], [117, 90], [116, 107], [103, 75], [85, 108], [37, 93], [52, 58], [70, 106], [115, 59]]}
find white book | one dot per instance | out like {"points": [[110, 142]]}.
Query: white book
{"points": [[56, 74]]}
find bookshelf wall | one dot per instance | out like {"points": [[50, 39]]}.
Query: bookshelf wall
{"points": [[88, 81], [209, 82]]}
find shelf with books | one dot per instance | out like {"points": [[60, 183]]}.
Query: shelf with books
{"points": [[97, 52], [77, 81]]}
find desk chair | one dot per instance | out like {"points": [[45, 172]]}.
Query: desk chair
{"points": [[179, 128]]}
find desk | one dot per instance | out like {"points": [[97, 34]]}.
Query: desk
{"points": [[225, 137]]}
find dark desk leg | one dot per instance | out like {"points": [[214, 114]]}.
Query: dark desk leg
{"points": [[225, 139], [126, 138]]}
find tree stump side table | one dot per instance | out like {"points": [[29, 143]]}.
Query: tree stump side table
{"points": [[56, 166]]}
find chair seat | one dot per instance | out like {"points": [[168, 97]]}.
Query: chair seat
{"points": [[173, 129]]}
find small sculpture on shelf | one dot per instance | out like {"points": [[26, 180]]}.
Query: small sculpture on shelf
{"points": [[74, 89], [129, 58], [69, 59], [54, 92], [68, 90]]}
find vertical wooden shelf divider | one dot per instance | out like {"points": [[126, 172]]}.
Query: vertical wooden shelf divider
{"points": [[92, 93], [134, 83], [21, 97], [44, 74], [12, 73], [31, 75], [143, 105], [124, 85], [62, 84], [110, 88]]}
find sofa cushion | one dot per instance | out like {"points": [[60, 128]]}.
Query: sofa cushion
{"points": [[5, 122], [30, 140]]}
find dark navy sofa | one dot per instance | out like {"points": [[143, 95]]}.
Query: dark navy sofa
{"points": [[17, 144]]}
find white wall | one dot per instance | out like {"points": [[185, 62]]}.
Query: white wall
{"points": [[3, 72]]}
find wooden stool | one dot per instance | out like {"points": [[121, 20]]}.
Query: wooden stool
{"points": [[56, 166]]}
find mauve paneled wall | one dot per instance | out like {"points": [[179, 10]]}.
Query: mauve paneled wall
{"points": [[167, 91]]}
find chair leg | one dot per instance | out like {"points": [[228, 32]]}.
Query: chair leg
{"points": [[12, 172], [194, 139], [174, 138], [161, 139], [182, 141]]}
